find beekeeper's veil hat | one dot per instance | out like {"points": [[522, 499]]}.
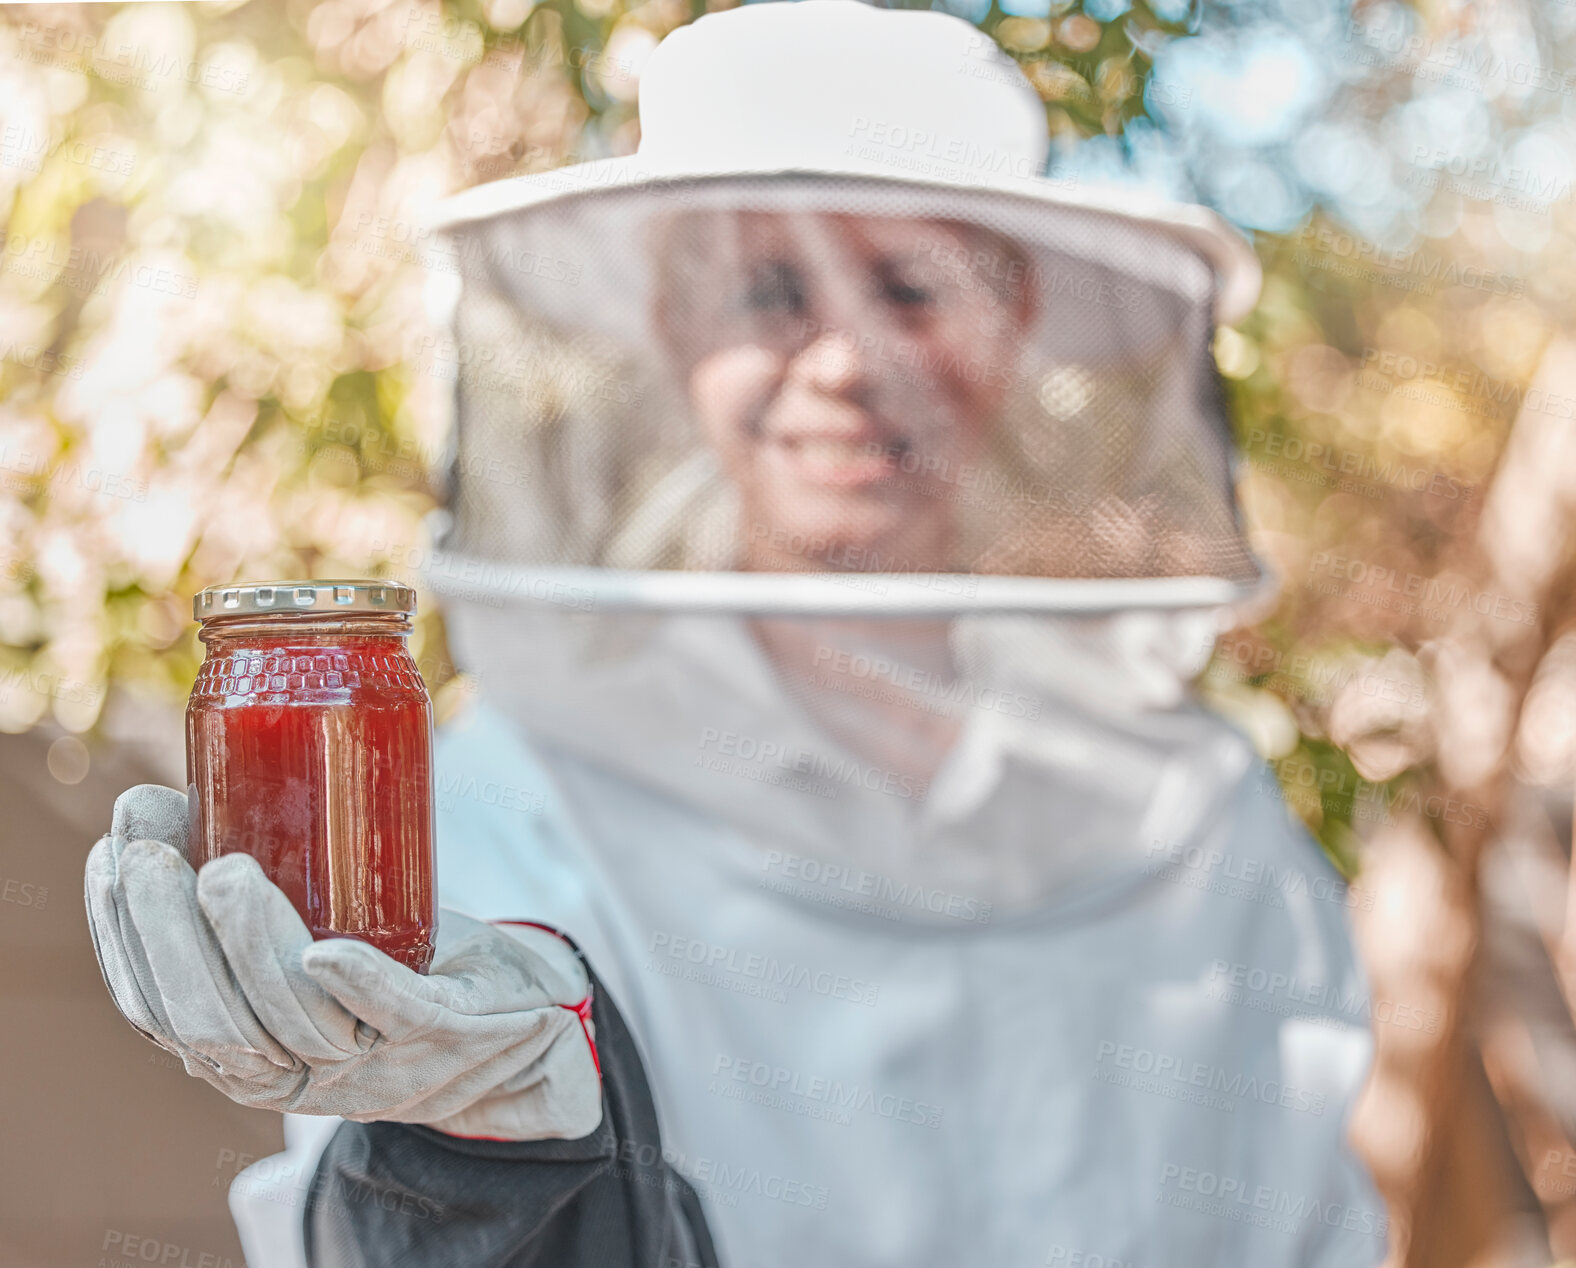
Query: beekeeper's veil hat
{"points": [[826, 469], [830, 297]]}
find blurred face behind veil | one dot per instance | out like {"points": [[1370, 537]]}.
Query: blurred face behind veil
{"points": [[848, 372], [845, 369]]}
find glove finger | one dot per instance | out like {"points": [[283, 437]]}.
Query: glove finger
{"points": [[558, 1095], [262, 937], [205, 1004], [480, 1066], [113, 928], [492, 971], [112, 944], [273, 1090], [394, 1001], [552, 963], [152, 812]]}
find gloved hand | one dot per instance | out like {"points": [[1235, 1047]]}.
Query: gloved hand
{"points": [[219, 969]]}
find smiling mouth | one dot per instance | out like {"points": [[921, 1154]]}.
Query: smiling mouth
{"points": [[839, 461]]}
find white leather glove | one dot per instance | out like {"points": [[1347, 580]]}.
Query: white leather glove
{"points": [[219, 969]]}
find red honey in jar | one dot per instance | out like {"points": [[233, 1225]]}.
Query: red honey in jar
{"points": [[309, 747]]}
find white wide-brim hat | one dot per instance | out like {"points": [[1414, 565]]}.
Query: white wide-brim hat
{"points": [[836, 87]]}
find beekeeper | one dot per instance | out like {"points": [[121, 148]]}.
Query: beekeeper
{"points": [[837, 513]]}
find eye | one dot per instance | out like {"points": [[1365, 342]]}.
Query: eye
{"points": [[776, 287], [898, 291]]}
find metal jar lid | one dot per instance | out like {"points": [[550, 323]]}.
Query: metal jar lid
{"points": [[321, 598]]}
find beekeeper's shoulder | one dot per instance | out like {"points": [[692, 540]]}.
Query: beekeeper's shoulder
{"points": [[1306, 904]]}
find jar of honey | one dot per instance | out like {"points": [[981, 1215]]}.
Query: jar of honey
{"points": [[309, 747]]}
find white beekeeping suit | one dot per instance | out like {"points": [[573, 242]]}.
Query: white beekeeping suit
{"points": [[838, 510]]}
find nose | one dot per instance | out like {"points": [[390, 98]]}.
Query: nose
{"points": [[833, 364]]}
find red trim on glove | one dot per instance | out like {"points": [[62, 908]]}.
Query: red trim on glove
{"points": [[582, 1010]]}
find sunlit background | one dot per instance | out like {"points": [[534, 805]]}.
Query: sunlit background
{"points": [[215, 365]]}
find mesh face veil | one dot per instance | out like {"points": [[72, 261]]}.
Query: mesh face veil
{"points": [[891, 398]]}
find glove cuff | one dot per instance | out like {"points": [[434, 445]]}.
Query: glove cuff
{"points": [[582, 1009]]}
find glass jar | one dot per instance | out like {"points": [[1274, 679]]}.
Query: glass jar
{"points": [[309, 747]]}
